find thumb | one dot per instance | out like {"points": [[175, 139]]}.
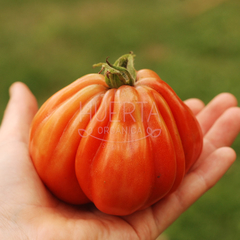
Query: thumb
{"points": [[19, 113]]}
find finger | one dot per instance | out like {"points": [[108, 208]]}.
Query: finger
{"points": [[19, 113], [215, 109], [194, 185], [223, 133], [196, 105], [225, 129]]}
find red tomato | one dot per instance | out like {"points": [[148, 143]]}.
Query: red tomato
{"points": [[123, 141]]}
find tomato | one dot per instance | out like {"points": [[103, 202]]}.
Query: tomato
{"points": [[122, 140]]}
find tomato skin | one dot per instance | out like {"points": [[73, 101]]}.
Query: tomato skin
{"points": [[188, 126], [54, 137], [123, 149]]}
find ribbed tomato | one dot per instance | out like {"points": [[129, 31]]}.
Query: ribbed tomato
{"points": [[123, 141]]}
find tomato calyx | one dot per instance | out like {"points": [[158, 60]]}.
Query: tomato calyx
{"points": [[122, 72]]}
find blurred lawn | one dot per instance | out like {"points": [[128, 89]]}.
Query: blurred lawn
{"points": [[194, 45]]}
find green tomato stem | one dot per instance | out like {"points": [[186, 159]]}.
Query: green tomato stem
{"points": [[122, 72]]}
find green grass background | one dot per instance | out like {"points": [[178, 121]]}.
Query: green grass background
{"points": [[194, 45]]}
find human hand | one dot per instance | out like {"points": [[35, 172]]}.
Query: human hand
{"points": [[29, 211]]}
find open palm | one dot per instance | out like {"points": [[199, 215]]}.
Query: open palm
{"points": [[29, 211]]}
